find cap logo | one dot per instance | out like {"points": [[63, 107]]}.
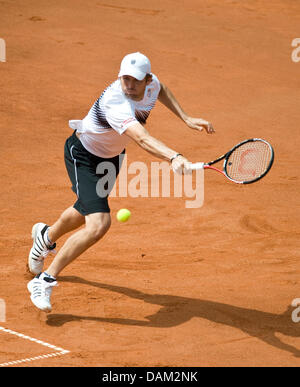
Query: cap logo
{"points": [[133, 61]]}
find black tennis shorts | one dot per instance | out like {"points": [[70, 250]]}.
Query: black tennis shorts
{"points": [[92, 177]]}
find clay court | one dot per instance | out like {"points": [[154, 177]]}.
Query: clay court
{"points": [[211, 286]]}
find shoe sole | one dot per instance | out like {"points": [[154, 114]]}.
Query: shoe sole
{"points": [[34, 232]]}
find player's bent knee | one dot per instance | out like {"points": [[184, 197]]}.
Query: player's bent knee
{"points": [[98, 230]]}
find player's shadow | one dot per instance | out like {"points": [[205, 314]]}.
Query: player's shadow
{"points": [[177, 310]]}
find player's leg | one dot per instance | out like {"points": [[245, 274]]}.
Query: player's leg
{"points": [[44, 237], [40, 287], [96, 227], [68, 221]]}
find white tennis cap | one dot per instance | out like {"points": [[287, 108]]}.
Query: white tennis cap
{"points": [[136, 65]]}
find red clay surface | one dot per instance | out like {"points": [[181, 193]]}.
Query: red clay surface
{"points": [[172, 287]]}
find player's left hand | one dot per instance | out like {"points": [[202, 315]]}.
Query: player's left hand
{"points": [[199, 124]]}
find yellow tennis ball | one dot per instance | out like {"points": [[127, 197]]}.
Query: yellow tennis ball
{"points": [[123, 215]]}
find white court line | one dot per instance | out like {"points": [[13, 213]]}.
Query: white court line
{"points": [[59, 351]]}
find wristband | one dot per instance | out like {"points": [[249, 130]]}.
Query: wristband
{"points": [[174, 157]]}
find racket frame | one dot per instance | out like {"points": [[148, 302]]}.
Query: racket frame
{"points": [[227, 155]]}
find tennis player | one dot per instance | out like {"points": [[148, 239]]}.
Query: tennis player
{"points": [[118, 116]]}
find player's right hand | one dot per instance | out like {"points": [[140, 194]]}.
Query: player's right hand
{"points": [[181, 165]]}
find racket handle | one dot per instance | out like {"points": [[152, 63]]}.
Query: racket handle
{"points": [[195, 166]]}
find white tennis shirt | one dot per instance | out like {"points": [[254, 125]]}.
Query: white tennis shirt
{"points": [[102, 130]]}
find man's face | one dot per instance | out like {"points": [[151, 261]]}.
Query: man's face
{"points": [[133, 88]]}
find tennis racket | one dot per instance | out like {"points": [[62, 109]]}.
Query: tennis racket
{"points": [[245, 163]]}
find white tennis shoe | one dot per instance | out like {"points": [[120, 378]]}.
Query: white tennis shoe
{"points": [[40, 288], [40, 249]]}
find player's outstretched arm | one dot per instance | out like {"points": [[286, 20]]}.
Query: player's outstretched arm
{"points": [[157, 148], [167, 98]]}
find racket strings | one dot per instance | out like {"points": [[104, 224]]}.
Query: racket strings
{"points": [[249, 161]]}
